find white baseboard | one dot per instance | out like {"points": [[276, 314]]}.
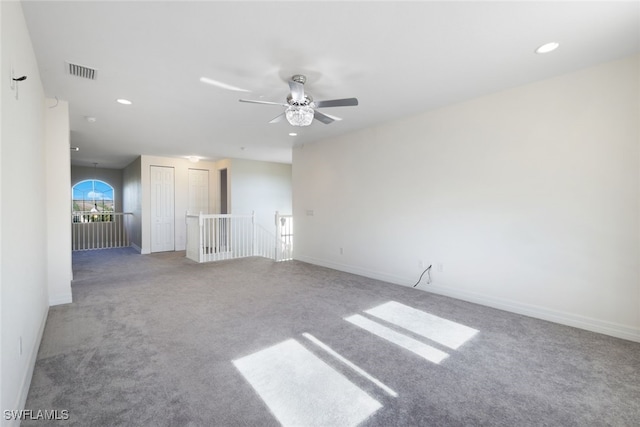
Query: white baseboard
{"points": [[355, 270], [564, 318], [25, 384], [136, 247], [64, 298]]}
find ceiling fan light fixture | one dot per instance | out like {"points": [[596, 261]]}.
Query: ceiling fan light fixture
{"points": [[299, 115]]}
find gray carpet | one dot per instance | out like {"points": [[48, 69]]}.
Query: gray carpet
{"points": [[151, 340]]}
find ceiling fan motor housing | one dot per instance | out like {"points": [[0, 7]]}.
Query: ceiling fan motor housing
{"points": [[299, 78], [307, 101]]}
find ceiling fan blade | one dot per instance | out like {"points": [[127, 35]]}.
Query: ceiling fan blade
{"points": [[263, 102], [222, 85], [345, 102], [297, 90], [277, 119], [331, 116], [324, 118]]}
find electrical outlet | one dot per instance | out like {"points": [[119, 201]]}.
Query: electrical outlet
{"points": [[20, 346], [421, 264], [341, 251], [440, 267]]}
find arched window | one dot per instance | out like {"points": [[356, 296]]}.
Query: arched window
{"points": [[92, 201]]}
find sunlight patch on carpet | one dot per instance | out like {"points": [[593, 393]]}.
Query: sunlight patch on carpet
{"points": [[350, 364], [421, 349], [442, 331], [300, 389]]}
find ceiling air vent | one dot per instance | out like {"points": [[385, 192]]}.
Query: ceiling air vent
{"points": [[82, 71]]}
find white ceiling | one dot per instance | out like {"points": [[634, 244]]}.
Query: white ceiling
{"points": [[397, 58]]}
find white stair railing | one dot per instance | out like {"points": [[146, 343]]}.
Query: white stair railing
{"points": [[99, 230], [215, 237], [284, 237], [264, 246]]}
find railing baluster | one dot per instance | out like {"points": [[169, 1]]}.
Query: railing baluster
{"points": [[103, 231], [227, 236]]}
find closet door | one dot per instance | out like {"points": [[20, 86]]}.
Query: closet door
{"points": [[198, 191], [162, 209]]}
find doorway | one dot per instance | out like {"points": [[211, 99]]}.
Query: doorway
{"points": [[224, 209]]}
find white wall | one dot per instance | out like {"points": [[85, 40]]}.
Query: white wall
{"points": [[528, 198], [58, 213], [263, 187], [23, 247], [132, 201], [2, 100]]}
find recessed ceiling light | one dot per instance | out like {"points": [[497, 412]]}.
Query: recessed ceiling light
{"points": [[548, 47], [123, 101], [293, 134]]}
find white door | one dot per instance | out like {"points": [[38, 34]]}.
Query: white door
{"points": [[198, 191], [162, 209]]}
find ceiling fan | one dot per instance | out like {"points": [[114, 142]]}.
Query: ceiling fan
{"points": [[301, 109]]}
